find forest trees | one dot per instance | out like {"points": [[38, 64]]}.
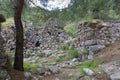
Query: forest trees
{"points": [[18, 62], [81, 9]]}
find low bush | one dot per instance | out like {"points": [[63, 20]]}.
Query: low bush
{"points": [[71, 29], [73, 53], [30, 67], [64, 47], [41, 54]]}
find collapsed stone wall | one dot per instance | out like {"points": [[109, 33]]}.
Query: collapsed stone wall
{"points": [[96, 35], [51, 36], [48, 37]]}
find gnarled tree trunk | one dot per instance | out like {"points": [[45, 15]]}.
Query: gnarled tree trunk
{"points": [[18, 62]]}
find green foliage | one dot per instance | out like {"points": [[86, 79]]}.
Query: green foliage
{"points": [[6, 8], [73, 53], [91, 64], [41, 54], [81, 9], [70, 29], [65, 47], [35, 15], [30, 67], [57, 60], [112, 14], [61, 59]]}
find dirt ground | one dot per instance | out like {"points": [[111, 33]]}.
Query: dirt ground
{"points": [[110, 53]]}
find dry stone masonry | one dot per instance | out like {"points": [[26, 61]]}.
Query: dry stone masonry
{"points": [[39, 38], [53, 34], [96, 35], [49, 38]]}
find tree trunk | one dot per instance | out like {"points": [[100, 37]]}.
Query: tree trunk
{"points": [[18, 61]]}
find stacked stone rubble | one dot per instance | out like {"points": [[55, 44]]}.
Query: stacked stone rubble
{"points": [[96, 35], [84, 35], [50, 37], [53, 34]]}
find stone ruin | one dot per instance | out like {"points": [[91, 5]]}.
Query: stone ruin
{"points": [[48, 37], [9, 38], [96, 35], [51, 36]]}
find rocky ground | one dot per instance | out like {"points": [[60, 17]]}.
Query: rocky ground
{"points": [[68, 69]]}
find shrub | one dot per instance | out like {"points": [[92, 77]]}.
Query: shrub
{"points": [[73, 53], [70, 29], [30, 67], [64, 47], [41, 54]]}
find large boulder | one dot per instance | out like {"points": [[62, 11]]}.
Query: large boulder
{"points": [[115, 76]]}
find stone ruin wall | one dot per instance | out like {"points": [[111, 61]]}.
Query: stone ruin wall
{"points": [[50, 38], [96, 35], [93, 35], [47, 38]]}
